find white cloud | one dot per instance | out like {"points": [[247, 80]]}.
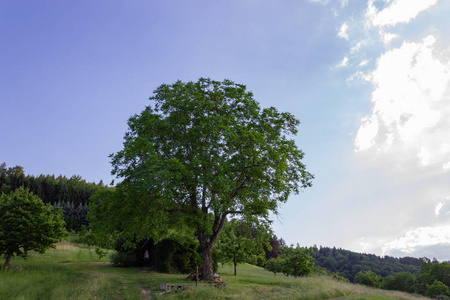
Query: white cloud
{"points": [[387, 37], [359, 76], [358, 46], [325, 2], [446, 166], [344, 62], [344, 3], [322, 2], [437, 209], [343, 31], [398, 11], [417, 238], [411, 107], [364, 63]]}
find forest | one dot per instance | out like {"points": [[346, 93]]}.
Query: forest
{"points": [[348, 264], [71, 194]]}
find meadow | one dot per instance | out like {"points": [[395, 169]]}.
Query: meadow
{"points": [[76, 272]]}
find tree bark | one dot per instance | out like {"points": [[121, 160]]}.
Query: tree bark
{"points": [[8, 259], [235, 263], [207, 262], [207, 245]]}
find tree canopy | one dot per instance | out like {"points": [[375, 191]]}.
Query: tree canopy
{"points": [[26, 223], [201, 152]]}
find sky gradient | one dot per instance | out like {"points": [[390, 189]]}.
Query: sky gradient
{"points": [[369, 81]]}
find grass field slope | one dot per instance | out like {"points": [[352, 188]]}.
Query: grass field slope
{"points": [[76, 272]]}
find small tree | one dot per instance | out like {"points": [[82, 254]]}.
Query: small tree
{"points": [[274, 265], [26, 223], [297, 261], [239, 242]]}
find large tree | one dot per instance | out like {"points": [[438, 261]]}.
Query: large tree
{"points": [[201, 152], [26, 223]]}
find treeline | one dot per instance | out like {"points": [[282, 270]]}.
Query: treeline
{"points": [[433, 280], [71, 194], [348, 264]]}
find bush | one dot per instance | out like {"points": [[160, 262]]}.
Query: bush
{"points": [[173, 257], [437, 289], [368, 278], [125, 259], [403, 281]]}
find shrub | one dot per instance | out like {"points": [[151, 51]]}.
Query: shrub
{"points": [[173, 257], [437, 289], [403, 281], [368, 278]]}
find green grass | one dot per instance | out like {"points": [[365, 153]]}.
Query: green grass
{"points": [[72, 272]]}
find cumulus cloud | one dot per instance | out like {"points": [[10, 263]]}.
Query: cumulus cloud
{"points": [[418, 239], [411, 105], [398, 11]]}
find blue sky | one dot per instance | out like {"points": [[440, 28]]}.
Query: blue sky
{"points": [[369, 81]]}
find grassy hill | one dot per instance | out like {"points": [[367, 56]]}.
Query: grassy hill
{"points": [[72, 272]]}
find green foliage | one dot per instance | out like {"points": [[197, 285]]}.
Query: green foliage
{"points": [[274, 265], [58, 191], [242, 242], [203, 151], [292, 262], [402, 281], [437, 288], [125, 259], [71, 194], [174, 257], [26, 223], [431, 271], [297, 261], [368, 278], [348, 263]]}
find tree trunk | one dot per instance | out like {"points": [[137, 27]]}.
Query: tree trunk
{"points": [[235, 263], [207, 268], [207, 246], [8, 259]]}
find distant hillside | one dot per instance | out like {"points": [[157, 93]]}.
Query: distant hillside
{"points": [[347, 263]]}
